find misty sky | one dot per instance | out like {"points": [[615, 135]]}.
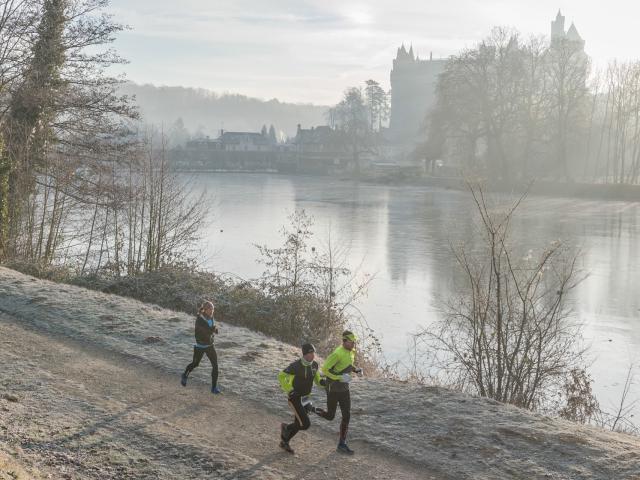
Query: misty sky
{"points": [[311, 50]]}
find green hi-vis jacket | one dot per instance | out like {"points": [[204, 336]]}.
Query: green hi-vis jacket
{"points": [[299, 377], [340, 361]]}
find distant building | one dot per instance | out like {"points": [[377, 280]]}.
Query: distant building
{"points": [[321, 140], [204, 143], [245, 142], [558, 32], [413, 84], [319, 150], [234, 142], [231, 151]]}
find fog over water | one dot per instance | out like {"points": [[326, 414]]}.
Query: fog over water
{"points": [[402, 235]]}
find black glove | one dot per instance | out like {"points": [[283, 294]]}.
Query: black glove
{"points": [[357, 370], [323, 382]]}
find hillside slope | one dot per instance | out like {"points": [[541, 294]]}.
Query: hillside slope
{"points": [[106, 368]]}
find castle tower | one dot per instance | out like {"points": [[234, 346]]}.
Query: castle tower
{"points": [[558, 32], [557, 27], [413, 83]]}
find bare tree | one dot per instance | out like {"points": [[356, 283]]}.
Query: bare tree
{"points": [[149, 218], [287, 265], [17, 29], [456, 119], [478, 98], [60, 104], [534, 101], [314, 287], [618, 117], [338, 285], [505, 106], [352, 119], [508, 335], [621, 418], [568, 68]]}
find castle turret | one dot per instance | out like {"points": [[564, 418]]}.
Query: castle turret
{"points": [[573, 35], [557, 27], [558, 33], [403, 56]]}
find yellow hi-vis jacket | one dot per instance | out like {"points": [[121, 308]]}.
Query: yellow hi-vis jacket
{"points": [[340, 361]]}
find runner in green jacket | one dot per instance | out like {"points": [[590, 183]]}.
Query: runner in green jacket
{"points": [[338, 368]]}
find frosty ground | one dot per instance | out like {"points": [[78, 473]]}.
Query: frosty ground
{"points": [[90, 389]]}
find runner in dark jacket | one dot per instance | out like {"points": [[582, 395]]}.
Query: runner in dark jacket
{"points": [[205, 328], [297, 381]]}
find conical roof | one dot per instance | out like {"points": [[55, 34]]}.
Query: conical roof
{"points": [[572, 33]]}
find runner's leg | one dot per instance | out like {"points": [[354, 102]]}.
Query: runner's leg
{"points": [[197, 356], [213, 358], [345, 409], [301, 418], [332, 405]]}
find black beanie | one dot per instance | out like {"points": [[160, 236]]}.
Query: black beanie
{"points": [[308, 348]]}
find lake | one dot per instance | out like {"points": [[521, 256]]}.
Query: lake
{"points": [[402, 234]]}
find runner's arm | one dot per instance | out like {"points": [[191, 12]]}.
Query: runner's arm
{"points": [[285, 377]]}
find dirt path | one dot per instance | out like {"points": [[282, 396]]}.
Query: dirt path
{"points": [[72, 410]]}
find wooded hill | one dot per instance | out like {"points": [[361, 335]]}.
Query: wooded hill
{"points": [[206, 112]]}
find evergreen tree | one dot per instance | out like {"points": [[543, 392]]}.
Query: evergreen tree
{"points": [[272, 134], [378, 104]]}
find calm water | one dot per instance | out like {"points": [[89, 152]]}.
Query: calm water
{"points": [[403, 236]]}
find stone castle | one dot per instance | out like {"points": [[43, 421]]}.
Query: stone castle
{"points": [[413, 84]]}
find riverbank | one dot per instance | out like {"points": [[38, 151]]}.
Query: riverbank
{"points": [[543, 188], [446, 434], [411, 177], [546, 188]]}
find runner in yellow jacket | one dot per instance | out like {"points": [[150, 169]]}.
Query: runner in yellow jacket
{"points": [[338, 368]]}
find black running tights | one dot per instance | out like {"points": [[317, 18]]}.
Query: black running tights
{"points": [[213, 358]]}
